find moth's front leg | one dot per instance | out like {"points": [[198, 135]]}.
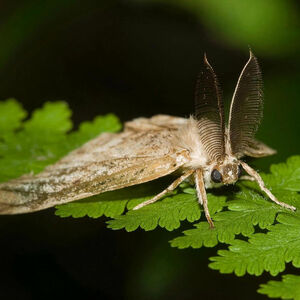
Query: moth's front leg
{"points": [[170, 188], [201, 194], [247, 177], [261, 184]]}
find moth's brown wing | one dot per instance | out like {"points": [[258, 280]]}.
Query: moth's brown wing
{"points": [[258, 149], [157, 122], [109, 162]]}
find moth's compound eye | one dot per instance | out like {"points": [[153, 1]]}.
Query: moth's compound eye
{"points": [[216, 176], [240, 171]]}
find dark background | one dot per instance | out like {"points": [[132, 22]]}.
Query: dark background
{"points": [[135, 58]]}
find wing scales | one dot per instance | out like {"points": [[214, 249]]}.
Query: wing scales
{"points": [[108, 162]]}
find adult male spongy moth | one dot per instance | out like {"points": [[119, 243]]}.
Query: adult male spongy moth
{"points": [[200, 148]]}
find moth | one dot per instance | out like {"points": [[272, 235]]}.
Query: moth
{"points": [[200, 149]]}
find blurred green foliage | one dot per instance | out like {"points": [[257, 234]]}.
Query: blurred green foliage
{"points": [[271, 27]]}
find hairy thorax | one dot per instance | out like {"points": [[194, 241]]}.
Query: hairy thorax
{"points": [[188, 138]]}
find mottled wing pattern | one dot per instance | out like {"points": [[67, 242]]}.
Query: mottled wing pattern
{"points": [[246, 109], [141, 153], [209, 112]]}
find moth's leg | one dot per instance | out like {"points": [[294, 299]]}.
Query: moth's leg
{"points": [[201, 194], [247, 177], [170, 188], [261, 184]]}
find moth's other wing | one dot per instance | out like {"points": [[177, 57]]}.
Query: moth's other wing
{"points": [[157, 122], [109, 162], [141, 137], [256, 148]]}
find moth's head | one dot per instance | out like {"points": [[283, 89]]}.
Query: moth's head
{"points": [[227, 172]]}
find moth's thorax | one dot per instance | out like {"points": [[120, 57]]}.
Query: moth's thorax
{"points": [[187, 138]]}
